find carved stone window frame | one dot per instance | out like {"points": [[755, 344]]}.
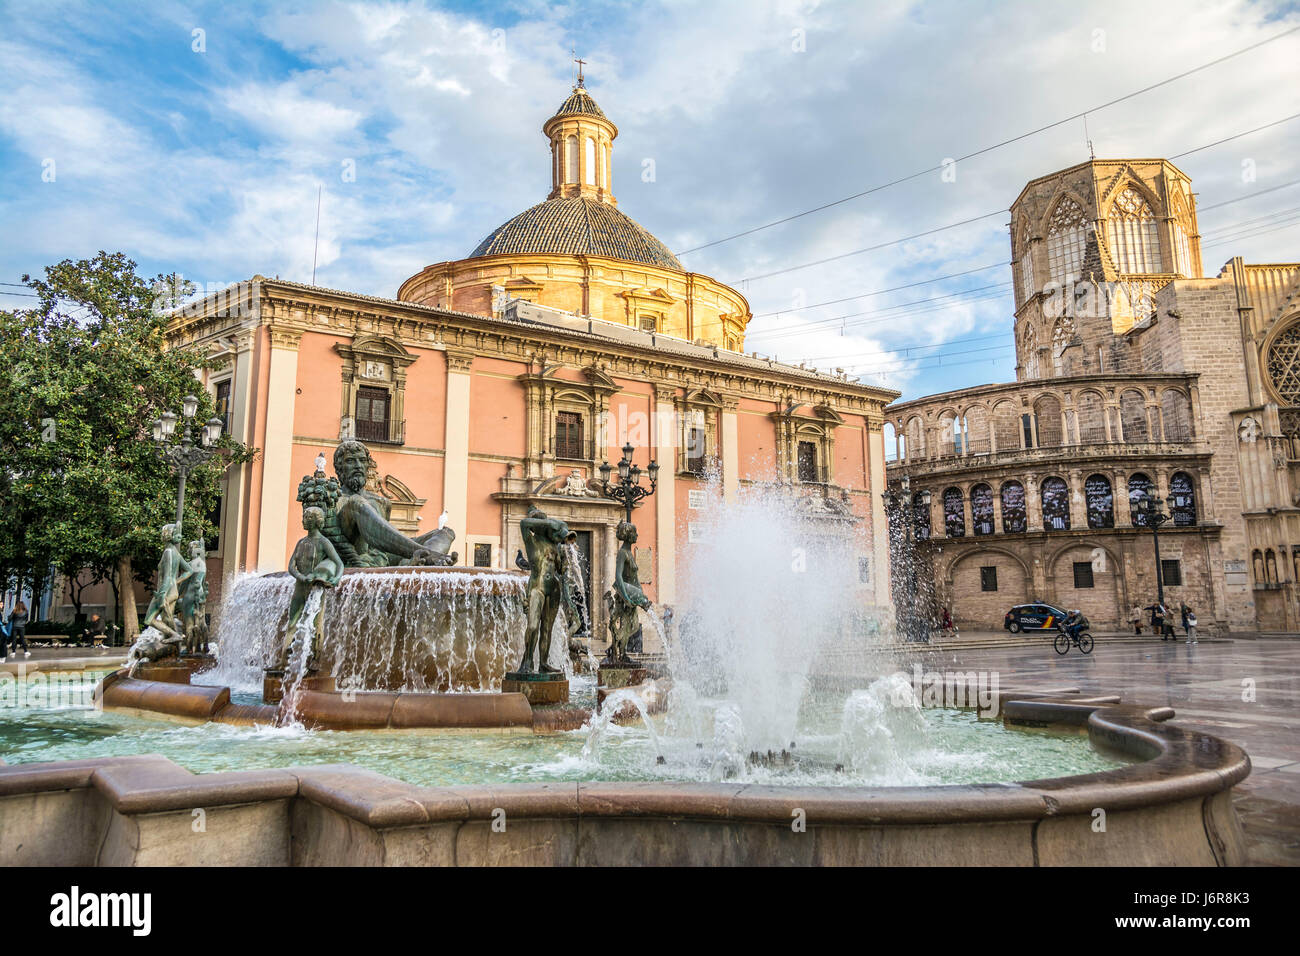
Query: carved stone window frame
{"points": [[358, 356], [545, 396], [698, 408], [792, 428]]}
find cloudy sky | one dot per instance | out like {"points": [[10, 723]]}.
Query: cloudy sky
{"points": [[194, 137]]}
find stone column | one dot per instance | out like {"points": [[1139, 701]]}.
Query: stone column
{"points": [[730, 450], [1119, 486], [1033, 505], [455, 462], [665, 439], [277, 454], [997, 507], [879, 520], [1078, 501], [234, 533]]}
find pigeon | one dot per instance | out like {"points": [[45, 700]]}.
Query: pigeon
{"points": [[521, 562]]}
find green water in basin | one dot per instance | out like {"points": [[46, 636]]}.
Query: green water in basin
{"points": [[953, 748]]}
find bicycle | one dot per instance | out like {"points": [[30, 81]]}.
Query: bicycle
{"points": [[1080, 639]]}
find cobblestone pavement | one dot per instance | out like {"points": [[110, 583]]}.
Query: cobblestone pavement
{"points": [[1205, 684]]}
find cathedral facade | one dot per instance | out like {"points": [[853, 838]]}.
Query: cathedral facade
{"points": [[1140, 381], [505, 379]]}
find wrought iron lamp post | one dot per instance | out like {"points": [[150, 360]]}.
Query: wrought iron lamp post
{"points": [[628, 489], [180, 452], [1153, 517], [900, 501]]}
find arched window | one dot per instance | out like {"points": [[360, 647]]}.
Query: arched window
{"points": [[1015, 520], [1133, 416], [977, 440], [1100, 501], [1047, 410], [892, 442], [1067, 237], [981, 509], [1029, 352], [1134, 233], [949, 434], [1006, 426], [1284, 365], [591, 162], [1092, 417], [1176, 413], [954, 513], [914, 439], [1026, 267], [1182, 500], [1056, 505], [1139, 486], [1063, 334], [571, 159]]}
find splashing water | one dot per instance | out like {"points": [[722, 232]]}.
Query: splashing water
{"points": [[771, 598], [299, 653]]}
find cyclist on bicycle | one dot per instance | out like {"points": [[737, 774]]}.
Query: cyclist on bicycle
{"points": [[1074, 625]]}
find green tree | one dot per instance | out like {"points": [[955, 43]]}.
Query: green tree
{"points": [[86, 372]]}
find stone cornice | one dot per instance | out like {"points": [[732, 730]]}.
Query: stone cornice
{"points": [[418, 326]]}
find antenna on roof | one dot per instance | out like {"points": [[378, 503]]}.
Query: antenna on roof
{"points": [[316, 244], [1091, 153]]}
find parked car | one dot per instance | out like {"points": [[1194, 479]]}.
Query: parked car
{"points": [[1033, 617]]}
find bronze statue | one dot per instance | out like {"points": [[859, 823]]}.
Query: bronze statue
{"points": [[357, 519], [194, 601], [622, 600], [314, 564], [173, 571], [547, 587]]}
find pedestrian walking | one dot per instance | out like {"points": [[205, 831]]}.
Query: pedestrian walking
{"points": [[1135, 618], [1158, 619], [1189, 623], [17, 631]]}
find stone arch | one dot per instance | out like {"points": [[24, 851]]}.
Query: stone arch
{"points": [[1176, 415], [1133, 415], [914, 438], [1006, 425], [978, 430], [1090, 407], [1103, 603], [972, 605], [1047, 411]]}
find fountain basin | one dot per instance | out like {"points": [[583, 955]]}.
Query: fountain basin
{"points": [[400, 629], [1174, 808]]}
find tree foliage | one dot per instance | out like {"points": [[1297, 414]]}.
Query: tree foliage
{"points": [[85, 373]]}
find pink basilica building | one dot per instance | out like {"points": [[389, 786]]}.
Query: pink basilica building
{"points": [[505, 379]]}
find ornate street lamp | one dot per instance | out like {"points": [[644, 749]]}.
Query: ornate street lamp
{"points": [[628, 489], [184, 455], [901, 502], [1153, 517]]}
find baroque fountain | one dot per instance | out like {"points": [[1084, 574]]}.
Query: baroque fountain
{"points": [[403, 707]]}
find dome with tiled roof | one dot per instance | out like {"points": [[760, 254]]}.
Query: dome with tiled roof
{"points": [[577, 226], [580, 101]]}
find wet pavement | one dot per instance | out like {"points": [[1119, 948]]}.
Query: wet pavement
{"points": [[1246, 691]]}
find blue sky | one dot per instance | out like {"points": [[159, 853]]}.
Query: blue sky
{"points": [[201, 153]]}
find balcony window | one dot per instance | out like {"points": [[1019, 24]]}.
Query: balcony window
{"points": [[1182, 500], [1014, 518], [372, 414], [1056, 504], [808, 470], [568, 436], [1100, 502]]}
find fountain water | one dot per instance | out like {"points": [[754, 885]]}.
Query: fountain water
{"points": [[771, 596], [411, 629]]}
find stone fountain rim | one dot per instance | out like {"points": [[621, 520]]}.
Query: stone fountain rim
{"points": [[1181, 765]]}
